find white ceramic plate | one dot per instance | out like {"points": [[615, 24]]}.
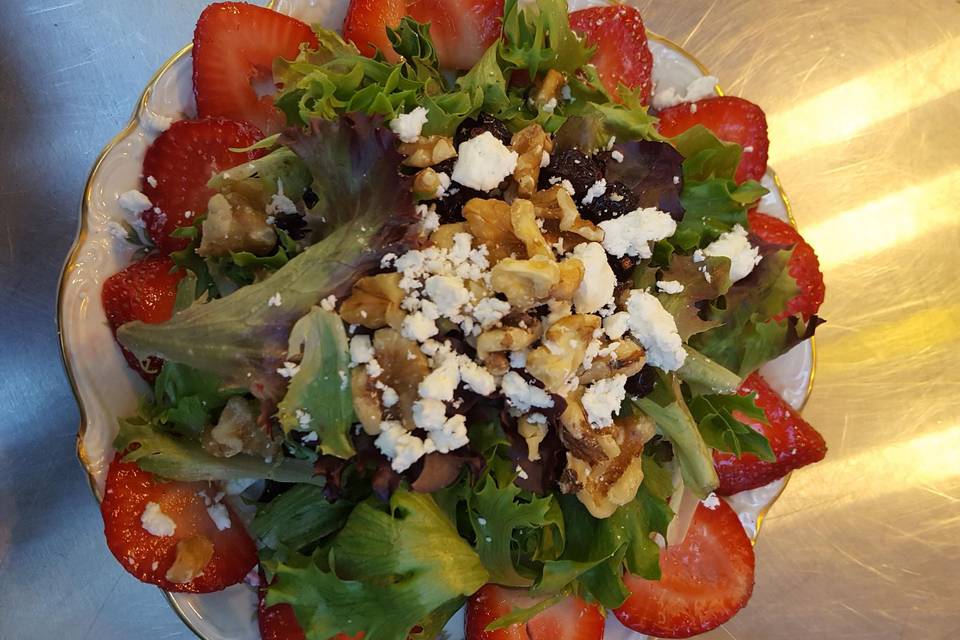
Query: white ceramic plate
{"points": [[106, 389]]}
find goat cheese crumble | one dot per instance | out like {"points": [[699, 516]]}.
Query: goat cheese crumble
{"points": [[736, 246], [656, 330], [156, 522], [408, 126], [632, 233], [483, 162]]}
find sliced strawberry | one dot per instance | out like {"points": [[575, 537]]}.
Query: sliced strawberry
{"points": [[570, 619], [705, 579], [461, 29], [234, 47], [180, 163], [732, 119], [794, 442], [131, 492], [623, 55], [144, 291], [804, 266]]}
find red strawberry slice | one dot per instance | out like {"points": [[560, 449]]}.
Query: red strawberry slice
{"points": [[623, 55], [180, 163], [794, 442], [570, 619], [732, 119], [144, 291], [461, 29], [234, 47], [131, 492], [705, 579], [804, 266]]}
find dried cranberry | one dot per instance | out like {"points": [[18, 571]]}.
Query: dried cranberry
{"points": [[473, 127], [623, 268], [616, 201], [642, 384], [572, 164], [293, 223], [450, 207]]}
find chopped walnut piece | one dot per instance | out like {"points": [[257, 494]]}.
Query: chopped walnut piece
{"points": [[237, 432], [556, 204], [530, 143], [233, 225], [193, 555], [549, 87], [491, 224], [557, 360], [506, 339], [404, 368], [526, 283], [375, 302], [498, 364], [627, 360], [571, 275], [604, 485], [427, 184], [366, 400], [533, 433], [428, 151], [523, 220]]}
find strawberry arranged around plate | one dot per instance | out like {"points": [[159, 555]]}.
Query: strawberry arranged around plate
{"points": [[488, 340]]}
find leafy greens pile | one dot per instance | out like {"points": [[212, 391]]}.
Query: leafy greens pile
{"points": [[348, 545]]}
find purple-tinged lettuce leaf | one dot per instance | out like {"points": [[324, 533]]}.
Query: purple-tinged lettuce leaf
{"points": [[653, 171], [686, 306], [368, 211]]}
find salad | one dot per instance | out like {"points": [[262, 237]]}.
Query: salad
{"points": [[453, 309]]}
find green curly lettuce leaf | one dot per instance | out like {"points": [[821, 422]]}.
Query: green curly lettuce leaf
{"points": [[723, 430], [383, 574], [186, 400], [297, 520]]}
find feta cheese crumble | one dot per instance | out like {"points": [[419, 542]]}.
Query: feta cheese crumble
{"points": [[134, 202], [711, 501], [361, 350], [522, 395], [670, 286], [616, 325], [700, 88], [736, 246], [483, 162], [275, 300], [599, 281], [632, 233], [596, 190], [156, 522], [220, 516], [656, 330], [602, 400], [408, 126], [401, 447]]}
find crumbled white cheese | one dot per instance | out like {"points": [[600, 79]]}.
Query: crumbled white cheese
{"points": [[521, 473], [289, 369], [117, 230], [617, 156], [220, 516], [736, 246], [602, 400], [566, 94], [156, 522], [152, 181], [361, 350], [134, 202], [483, 162], [699, 89], [429, 218], [536, 418], [418, 327], [401, 447], [448, 293], [670, 286], [303, 418], [429, 414], [329, 303], [374, 369], [389, 396], [443, 186], [616, 325], [489, 311], [451, 436], [408, 126], [711, 501], [632, 233], [656, 330], [281, 205], [310, 438], [522, 395], [599, 281], [476, 378], [441, 382], [544, 159], [596, 190], [518, 359], [275, 300], [568, 187]]}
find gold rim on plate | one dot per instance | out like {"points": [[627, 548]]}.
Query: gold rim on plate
{"points": [[81, 236]]}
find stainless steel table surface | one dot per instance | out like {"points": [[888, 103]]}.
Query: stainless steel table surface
{"points": [[864, 100]]}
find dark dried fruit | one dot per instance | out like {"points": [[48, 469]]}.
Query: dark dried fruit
{"points": [[642, 384], [615, 202], [473, 127], [293, 223], [571, 164], [623, 268]]}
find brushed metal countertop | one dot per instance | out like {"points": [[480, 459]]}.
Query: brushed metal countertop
{"points": [[863, 98]]}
